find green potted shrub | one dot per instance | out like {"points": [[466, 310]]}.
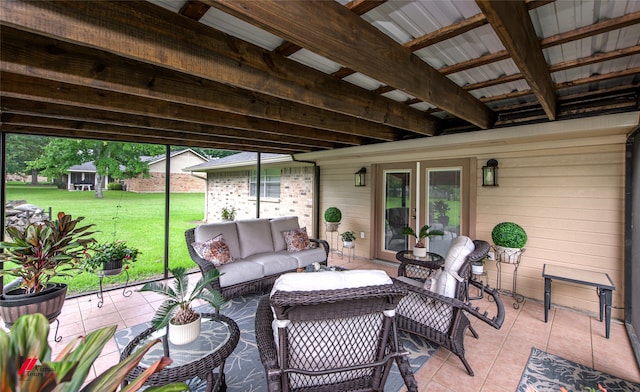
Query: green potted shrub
{"points": [[332, 218], [509, 239], [110, 257], [27, 344], [420, 248], [347, 238], [176, 312], [36, 255]]}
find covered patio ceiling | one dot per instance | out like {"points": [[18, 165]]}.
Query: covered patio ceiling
{"points": [[299, 76]]}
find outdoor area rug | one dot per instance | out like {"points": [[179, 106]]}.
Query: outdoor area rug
{"points": [[548, 372], [244, 371]]}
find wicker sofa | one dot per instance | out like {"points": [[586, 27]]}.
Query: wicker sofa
{"points": [[259, 252]]}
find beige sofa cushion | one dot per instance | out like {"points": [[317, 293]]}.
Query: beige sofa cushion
{"points": [[204, 233], [280, 225], [255, 237]]}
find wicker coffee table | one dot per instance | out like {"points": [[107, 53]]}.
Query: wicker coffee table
{"points": [[418, 267], [218, 338]]}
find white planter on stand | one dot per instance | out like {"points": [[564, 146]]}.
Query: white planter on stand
{"points": [[420, 252], [184, 334], [477, 269]]}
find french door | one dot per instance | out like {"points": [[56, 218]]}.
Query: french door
{"points": [[418, 193]]}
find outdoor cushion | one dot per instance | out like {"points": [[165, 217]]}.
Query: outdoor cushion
{"points": [[255, 237], [330, 280], [447, 282], [215, 250], [297, 240], [280, 225], [274, 263], [240, 271], [203, 233], [307, 256]]}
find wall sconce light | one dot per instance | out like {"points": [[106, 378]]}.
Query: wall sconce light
{"points": [[360, 177], [490, 173]]}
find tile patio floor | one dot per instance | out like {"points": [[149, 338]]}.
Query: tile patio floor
{"points": [[498, 357]]}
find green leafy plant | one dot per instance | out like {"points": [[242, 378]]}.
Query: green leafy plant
{"points": [[177, 307], [441, 208], [99, 254], [509, 235], [348, 236], [228, 213], [44, 250], [27, 343], [421, 235], [332, 215]]}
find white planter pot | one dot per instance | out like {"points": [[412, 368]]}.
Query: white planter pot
{"points": [[508, 255], [184, 334], [477, 269], [420, 252], [347, 244]]}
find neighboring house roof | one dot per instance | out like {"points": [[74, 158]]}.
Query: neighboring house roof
{"points": [[90, 167], [240, 159], [87, 167], [157, 158]]}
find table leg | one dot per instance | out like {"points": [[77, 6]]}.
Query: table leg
{"points": [[607, 311], [601, 301], [547, 298]]}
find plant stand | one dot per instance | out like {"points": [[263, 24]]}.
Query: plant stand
{"points": [[478, 278], [329, 235], [351, 251], [513, 259], [126, 292]]}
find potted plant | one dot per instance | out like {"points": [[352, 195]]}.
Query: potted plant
{"points": [[25, 359], [347, 238], [477, 267], [37, 254], [332, 218], [110, 257], [176, 312], [509, 239], [420, 248], [441, 209], [228, 213]]}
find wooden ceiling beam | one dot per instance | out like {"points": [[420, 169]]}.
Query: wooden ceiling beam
{"points": [[31, 55], [147, 33], [205, 142], [511, 22], [252, 138], [77, 112], [194, 9], [20, 86], [351, 41], [597, 28]]}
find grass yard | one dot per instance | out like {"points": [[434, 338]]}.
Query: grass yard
{"points": [[137, 218]]}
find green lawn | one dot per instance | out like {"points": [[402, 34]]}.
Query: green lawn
{"points": [[137, 218]]}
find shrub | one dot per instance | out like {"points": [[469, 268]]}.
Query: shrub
{"points": [[114, 186], [332, 214], [509, 235]]}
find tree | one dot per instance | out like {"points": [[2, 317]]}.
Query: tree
{"points": [[21, 149], [114, 159]]}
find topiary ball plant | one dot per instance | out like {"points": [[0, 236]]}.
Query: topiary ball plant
{"points": [[332, 215], [509, 235]]}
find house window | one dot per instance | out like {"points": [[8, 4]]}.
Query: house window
{"points": [[269, 183]]}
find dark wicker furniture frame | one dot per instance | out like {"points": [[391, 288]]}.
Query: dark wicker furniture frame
{"points": [[202, 367], [449, 333], [354, 309], [260, 286]]}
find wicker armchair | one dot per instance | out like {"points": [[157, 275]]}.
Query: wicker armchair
{"points": [[441, 319], [331, 340]]}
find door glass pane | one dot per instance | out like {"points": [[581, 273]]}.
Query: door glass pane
{"points": [[443, 190], [397, 201]]}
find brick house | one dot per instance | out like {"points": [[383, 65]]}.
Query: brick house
{"points": [[287, 187], [180, 181]]}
